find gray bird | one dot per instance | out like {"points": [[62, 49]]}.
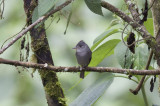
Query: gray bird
{"points": [[83, 55]]}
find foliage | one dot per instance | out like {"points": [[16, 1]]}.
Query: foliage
{"points": [[94, 6], [103, 48], [106, 46], [43, 7], [94, 91]]}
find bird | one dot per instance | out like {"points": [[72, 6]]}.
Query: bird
{"points": [[83, 55]]}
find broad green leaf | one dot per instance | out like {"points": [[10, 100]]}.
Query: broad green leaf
{"points": [[110, 61], [141, 56], [94, 6], [35, 15], [103, 36], [123, 55], [103, 51], [43, 7], [151, 68], [93, 92], [149, 26]]}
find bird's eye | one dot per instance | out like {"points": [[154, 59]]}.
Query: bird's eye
{"points": [[82, 46]]}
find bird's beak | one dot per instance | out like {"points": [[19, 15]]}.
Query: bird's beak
{"points": [[74, 48]]}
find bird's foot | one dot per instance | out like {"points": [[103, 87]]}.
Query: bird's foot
{"points": [[80, 68]]}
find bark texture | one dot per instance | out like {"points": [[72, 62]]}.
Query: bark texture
{"points": [[156, 21], [156, 18]]}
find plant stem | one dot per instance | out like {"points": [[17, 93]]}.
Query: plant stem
{"points": [[144, 96]]}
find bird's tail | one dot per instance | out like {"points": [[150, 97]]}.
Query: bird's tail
{"points": [[82, 74]]}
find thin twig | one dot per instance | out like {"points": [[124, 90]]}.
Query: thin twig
{"points": [[34, 24], [146, 68], [12, 36], [135, 92], [134, 41]]}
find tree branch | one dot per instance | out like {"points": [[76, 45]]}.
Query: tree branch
{"points": [[77, 69], [135, 25], [133, 10], [34, 24], [135, 92]]}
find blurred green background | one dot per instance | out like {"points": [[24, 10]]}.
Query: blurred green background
{"points": [[18, 88]]}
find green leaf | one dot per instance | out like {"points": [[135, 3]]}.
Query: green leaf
{"points": [[110, 61], [35, 15], [149, 26], [94, 6], [93, 92], [141, 56], [103, 36], [43, 7], [103, 51], [123, 55]]}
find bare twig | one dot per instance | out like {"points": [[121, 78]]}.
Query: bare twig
{"points": [[135, 92], [147, 66], [12, 36], [34, 24], [76, 69]]}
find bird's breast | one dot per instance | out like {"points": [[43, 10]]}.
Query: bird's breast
{"points": [[83, 58]]}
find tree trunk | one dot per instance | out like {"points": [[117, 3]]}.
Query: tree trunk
{"points": [[156, 20], [41, 49], [156, 14]]}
